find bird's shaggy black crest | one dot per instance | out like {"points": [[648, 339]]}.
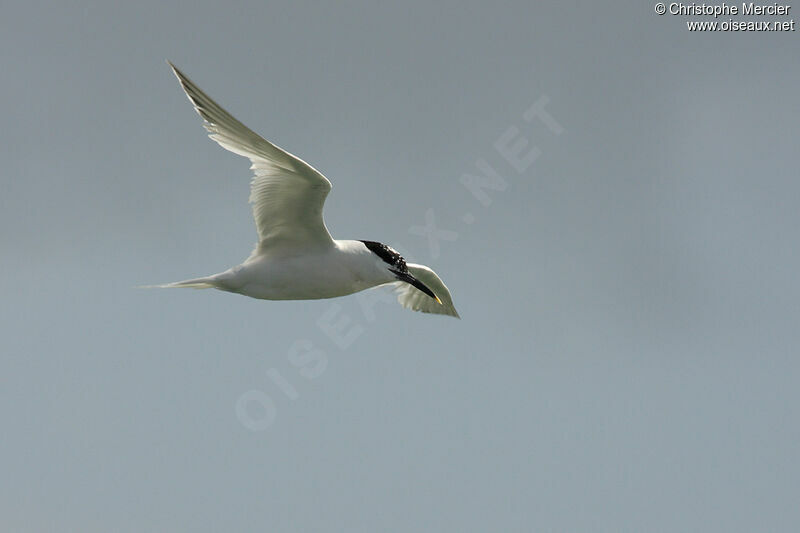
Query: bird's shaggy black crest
{"points": [[388, 254]]}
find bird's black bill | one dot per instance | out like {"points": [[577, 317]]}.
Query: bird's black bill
{"points": [[408, 278]]}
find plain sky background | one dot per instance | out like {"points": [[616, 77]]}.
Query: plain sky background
{"points": [[628, 354]]}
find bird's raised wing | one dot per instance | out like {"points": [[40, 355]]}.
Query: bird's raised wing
{"points": [[287, 194], [412, 298]]}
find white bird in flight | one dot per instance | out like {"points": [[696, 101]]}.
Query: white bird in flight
{"points": [[296, 258]]}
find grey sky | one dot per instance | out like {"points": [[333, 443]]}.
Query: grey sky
{"points": [[627, 358]]}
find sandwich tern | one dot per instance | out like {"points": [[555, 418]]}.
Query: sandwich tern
{"points": [[295, 257]]}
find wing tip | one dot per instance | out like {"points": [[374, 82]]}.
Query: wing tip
{"points": [[451, 311], [178, 74], [443, 309]]}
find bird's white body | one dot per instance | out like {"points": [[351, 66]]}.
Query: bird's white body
{"points": [[296, 258], [338, 270]]}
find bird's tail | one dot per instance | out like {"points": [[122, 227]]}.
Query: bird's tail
{"points": [[197, 283]]}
